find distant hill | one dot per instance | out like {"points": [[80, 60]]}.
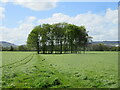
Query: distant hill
{"points": [[7, 44], [110, 43]]}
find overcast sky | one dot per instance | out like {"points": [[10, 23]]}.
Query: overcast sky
{"points": [[19, 17]]}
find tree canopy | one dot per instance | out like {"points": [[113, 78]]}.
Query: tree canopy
{"points": [[58, 38]]}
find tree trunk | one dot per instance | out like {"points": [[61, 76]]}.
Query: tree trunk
{"points": [[75, 48], [65, 48], [51, 47], [44, 49], [60, 46], [80, 50], [71, 48], [37, 47], [84, 49]]}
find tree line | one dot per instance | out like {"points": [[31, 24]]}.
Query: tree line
{"points": [[102, 47], [91, 47], [58, 38]]}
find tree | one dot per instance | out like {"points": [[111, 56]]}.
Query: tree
{"points": [[71, 36], [59, 29], [58, 37], [33, 38], [22, 48], [0, 47], [11, 48]]}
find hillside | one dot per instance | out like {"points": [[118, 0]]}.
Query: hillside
{"points": [[6, 44], [110, 43]]}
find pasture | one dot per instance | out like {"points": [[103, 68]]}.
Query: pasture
{"points": [[30, 70]]}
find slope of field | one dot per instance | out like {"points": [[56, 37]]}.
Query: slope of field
{"points": [[93, 69]]}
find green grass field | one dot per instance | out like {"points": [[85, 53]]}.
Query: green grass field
{"points": [[29, 70]]}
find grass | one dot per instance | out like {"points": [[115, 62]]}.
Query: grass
{"points": [[29, 70]]}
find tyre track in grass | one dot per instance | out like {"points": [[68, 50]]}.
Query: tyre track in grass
{"points": [[19, 62], [23, 63]]}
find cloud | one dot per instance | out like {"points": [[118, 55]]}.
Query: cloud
{"points": [[19, 34], [110, 16], [4, 1], [2, 15], [100, 27], [37, 5]]}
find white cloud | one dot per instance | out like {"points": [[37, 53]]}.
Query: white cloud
{"points": [[110, 16], [57, 17], [4, 1], [100, 27], [2, 15], [19, 34], [37, 5]]}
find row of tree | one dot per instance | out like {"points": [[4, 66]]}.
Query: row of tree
{"points": [[58, 38], [91, 47], [17, 48], [102, 47]]}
